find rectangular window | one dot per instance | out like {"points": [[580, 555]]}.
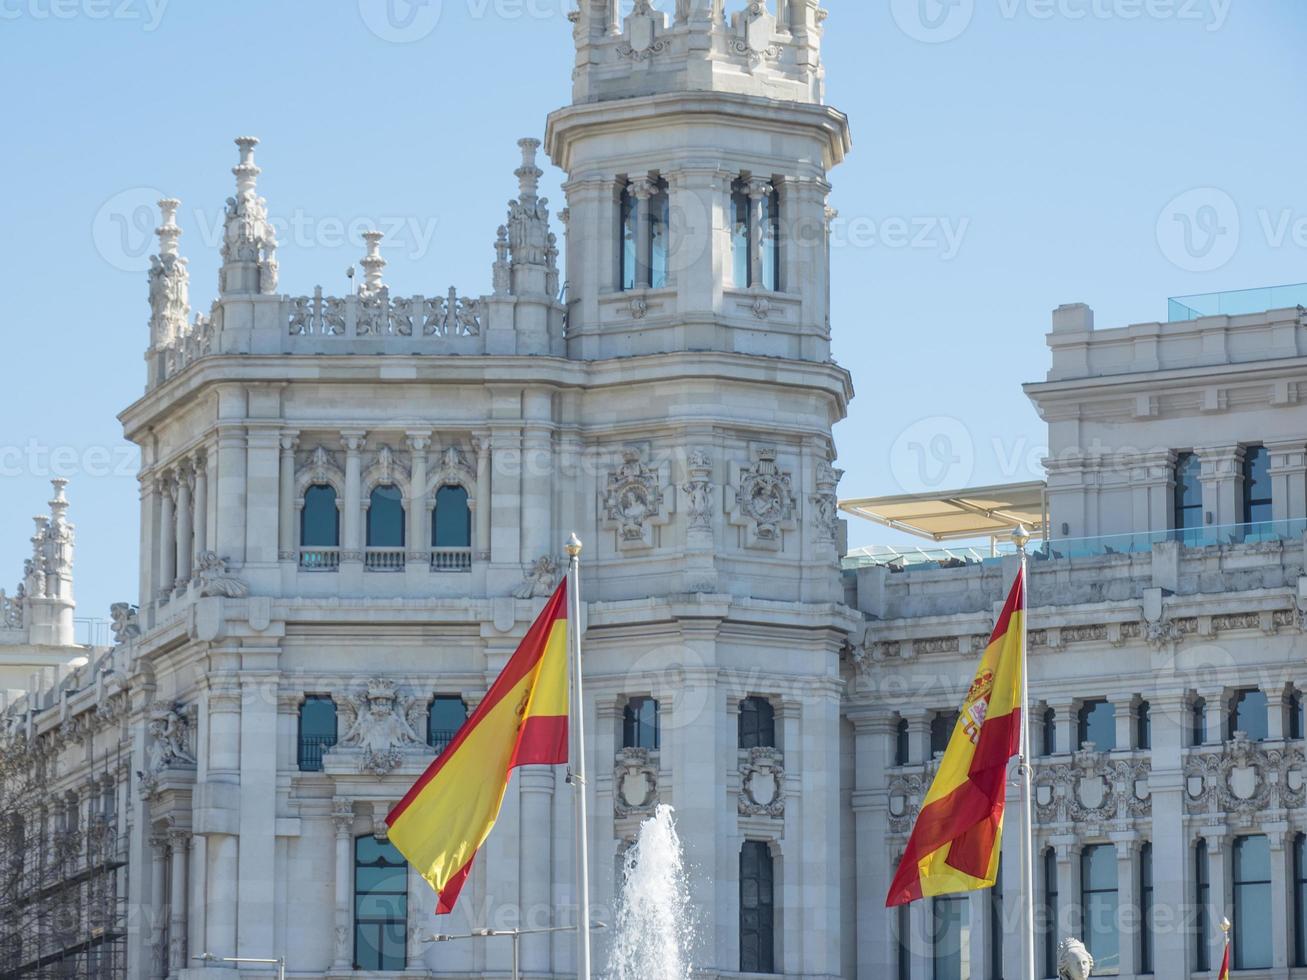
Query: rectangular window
{"points": [[1300, 900], [902, 742], [1097, 724], [380, 906], [628, 219], [1252, 903], [640, 724], [941, 731], [444, 718], [1249, 713], [740, 236], [771, 242], [1048, 927], [757, 909], [904, 920], [660, 210], [1296, 719], [1202, 896], [1198, 721], [757, 725], [996, 927], [1100, 904], [317, 731], [1256, 486], [951, 938], [1049, 725], [1188, 511], [1146, 908], [1144, 726]]}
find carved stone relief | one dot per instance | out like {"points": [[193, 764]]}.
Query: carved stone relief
{"points": [[762, 501]]}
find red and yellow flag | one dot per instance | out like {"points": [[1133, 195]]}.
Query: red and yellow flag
{"points": [[448, 814], [1225, 965], [954, 846]]}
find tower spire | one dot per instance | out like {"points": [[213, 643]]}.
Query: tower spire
{"points": [[373, 264], [170, 281], [249, 248]]}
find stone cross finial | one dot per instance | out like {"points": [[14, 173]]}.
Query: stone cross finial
{"points": [[373, 264]]}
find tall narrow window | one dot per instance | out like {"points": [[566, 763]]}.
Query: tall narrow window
{"points": [[1300, 900], [1202, 918], [742, 218], [1249, 714], [1188, 513], [386, 518], [1297, 721], [1146, 908], [757, 724], [757, 909], [903, 919], [1099, 901], [451, 521], [1252, 903], [1048, 723], [1144, 726], [640, 724], [941, 731], [902, 742], [320, 518], [444, 718], [1198, 721], [659, 235], [996, 926], [951, 938], [1048, 925], [1097, 723], [771, 242], [740, 238], [1256, 486], [317, 731], [380, 906], [628, 219], [635, 275]]}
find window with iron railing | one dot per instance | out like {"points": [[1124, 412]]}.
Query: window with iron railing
{"points": [[444, 718], [318, 731]]}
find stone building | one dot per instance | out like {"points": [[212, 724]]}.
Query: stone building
{"points": [[352, 507]]}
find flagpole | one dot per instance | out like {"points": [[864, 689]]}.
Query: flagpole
{"points": [[578, 762], [1022, 537]]}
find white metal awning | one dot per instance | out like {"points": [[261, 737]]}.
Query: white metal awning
{"points": [[956, 515]]}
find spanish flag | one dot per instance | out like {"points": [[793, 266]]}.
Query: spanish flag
{"points": [[954, 846], [448, 814], [1225, 964]]}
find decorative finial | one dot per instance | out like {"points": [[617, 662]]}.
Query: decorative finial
{"points": [[169, 231], [246, 171], [528, 175], [373, 264], [1225, 928], [573, 547], [1021, 537]]}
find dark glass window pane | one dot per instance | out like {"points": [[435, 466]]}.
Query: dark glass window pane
{"points": [[1248, 713], [659, 229], [1252, 903], [386, 518], [941, 731], [317, 732], [1048, 925], [1146, 908], [1300, 899], [1202, 895], [628, 217], [1050, 731], [1296, 716], [757, 724], [740, 237], [380, 905], [640, 724], [1099, 901], [444, 719], [904, 919], [771, 242], [1097, 724], [451, 521], [1144, 726], [902, 743], [1256, 485], [1199, 718], [757, 913], [951, 938], [1188, 494], [320, 518]]}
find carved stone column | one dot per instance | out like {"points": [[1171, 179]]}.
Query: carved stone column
{"points": [[286, 543], [352, 540], [1221, 895], [1281, 895], [643, 190], [201, 506], [1068, 887], [167, 536], [342, 817], [759, 190], [185, 527], [179, 846], [419, 510], [1288, 480], [158, 918]]}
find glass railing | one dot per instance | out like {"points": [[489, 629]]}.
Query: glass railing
{"points": [[1194, 537], [1236, 302]]}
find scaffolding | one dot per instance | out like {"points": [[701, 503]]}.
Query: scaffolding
{"points": [[63, 869]]}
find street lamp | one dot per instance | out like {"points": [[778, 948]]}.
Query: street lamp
{"points": [[515, 934], [279, 962]]}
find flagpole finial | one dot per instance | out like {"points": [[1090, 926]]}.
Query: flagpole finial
{"points": [[1226, 927], [1021, 536], [573, 546]]}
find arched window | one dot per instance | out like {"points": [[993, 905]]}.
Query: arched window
{"points": [[757, 724], [1248, 714], [1188, 510], [757, 909], [444, 718], [380, 906], [640, 724], [451, 521], [317, 731], [1097, 724], [320, 518], [1256, 485], [386, 517]]}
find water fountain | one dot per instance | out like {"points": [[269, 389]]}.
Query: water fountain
{"points": [[655, 927]]}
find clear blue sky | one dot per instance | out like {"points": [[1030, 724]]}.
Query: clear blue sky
{"points": [[1010, 155]]}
